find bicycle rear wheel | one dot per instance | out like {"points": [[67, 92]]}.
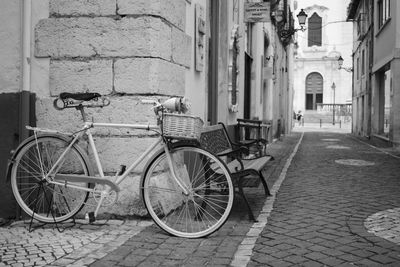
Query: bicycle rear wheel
{"points": [[45, 201], [208, 204]]}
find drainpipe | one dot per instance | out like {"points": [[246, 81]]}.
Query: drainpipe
{"points": [[24, 109]]}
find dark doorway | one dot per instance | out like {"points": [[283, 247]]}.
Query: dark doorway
{"points": [[16, 111], [247, 86], [309, 102], [314, 90], [212, 114]]}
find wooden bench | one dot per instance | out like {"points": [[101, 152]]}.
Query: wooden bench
{"points": [[254, 134], [245, 172]]}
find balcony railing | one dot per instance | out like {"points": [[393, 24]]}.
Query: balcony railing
{"points": [[340, 109]]}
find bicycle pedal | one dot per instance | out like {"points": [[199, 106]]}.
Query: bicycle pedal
{"points": [[90, 217]]}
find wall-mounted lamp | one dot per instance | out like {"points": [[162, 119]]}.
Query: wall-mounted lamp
{"points": [[340, 63], [302, 17]]}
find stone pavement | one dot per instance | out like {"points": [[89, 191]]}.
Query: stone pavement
{"points": [[152, 247], [134, 242], [78, 244], [338, 206], [334, 203]]}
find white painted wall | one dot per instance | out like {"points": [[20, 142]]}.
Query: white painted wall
{"points": [[10, 49], [196, 81]]}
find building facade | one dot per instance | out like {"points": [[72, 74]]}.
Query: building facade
{"points": [[361, 13], [376, 68], [319, 83], [206, 50]]}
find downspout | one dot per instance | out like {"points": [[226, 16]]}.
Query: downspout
{"points": [[24, 109], [370, 64]]}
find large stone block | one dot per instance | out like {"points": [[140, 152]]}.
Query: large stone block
{"points": [[128, 110], [103, 37], [149, 76], [117, 151], [128, 202], [173, 11], [81, 76], [122, 109], [68, 120], [181, 47], [82, 7]]}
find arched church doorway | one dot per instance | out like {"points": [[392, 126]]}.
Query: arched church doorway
{"points": [[314, 90]]}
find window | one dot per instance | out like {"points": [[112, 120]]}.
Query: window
{"points": [[359, 25], [249, 38], [383, 12], [314, 30], [358, 68], [370, 54]]}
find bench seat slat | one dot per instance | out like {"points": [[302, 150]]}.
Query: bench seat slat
{"points": [[256, 164]]}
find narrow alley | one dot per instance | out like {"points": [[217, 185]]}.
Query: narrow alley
{"points": [[334, 203]]}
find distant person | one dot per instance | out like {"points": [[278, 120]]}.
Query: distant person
{"points": [[300, 117]]}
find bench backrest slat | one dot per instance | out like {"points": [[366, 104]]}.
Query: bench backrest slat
{"points": [[214, 139]]}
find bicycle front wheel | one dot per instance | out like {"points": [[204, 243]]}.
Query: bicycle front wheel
{"points": [[45, 201], [208, 203]]}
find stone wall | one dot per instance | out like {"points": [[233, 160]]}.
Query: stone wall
{"points": [[127, 49]]}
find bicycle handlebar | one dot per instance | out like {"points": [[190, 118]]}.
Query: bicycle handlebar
{"points": [[95, 100], [174, 104], [150, 101]]}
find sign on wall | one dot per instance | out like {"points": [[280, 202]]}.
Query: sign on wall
{"points": [[257, 12]]}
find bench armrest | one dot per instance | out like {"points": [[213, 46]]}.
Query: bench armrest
{"points": [[234, 152], [248, 143]]}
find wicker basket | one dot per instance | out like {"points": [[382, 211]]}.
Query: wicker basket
{"points": [[179, 126]]}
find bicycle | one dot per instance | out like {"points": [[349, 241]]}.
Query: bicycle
{"points": [[186, 190]]}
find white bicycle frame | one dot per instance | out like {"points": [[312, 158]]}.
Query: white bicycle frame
{"points": [[52, 175]]}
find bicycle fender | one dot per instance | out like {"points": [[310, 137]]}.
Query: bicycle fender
{"points": [[10, 164], [14, 152], [155, 155]]}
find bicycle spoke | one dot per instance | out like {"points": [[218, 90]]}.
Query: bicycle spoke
{"points": [[27, 192], [204, 211], [213, 205], [205, 208], [162, 189], [210, 198], [48, 202], [199, 214], [22, 165]]}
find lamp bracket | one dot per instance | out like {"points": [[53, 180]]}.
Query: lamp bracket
{"points": [[350, 69], [287, 33]]}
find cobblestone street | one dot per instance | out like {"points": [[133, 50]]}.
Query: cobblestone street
{"points": [[330, 210], [76, 245], [334, 203]]}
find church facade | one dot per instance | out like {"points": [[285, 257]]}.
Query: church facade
{"points": [[319, 84]]}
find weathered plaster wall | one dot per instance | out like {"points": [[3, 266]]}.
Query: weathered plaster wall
{"points": [[10, 50]]}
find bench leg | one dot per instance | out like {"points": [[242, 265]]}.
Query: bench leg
{"points": [[241, 192], [266, 189]]}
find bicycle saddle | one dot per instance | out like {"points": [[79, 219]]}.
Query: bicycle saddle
{"points": [[79, 96]]}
